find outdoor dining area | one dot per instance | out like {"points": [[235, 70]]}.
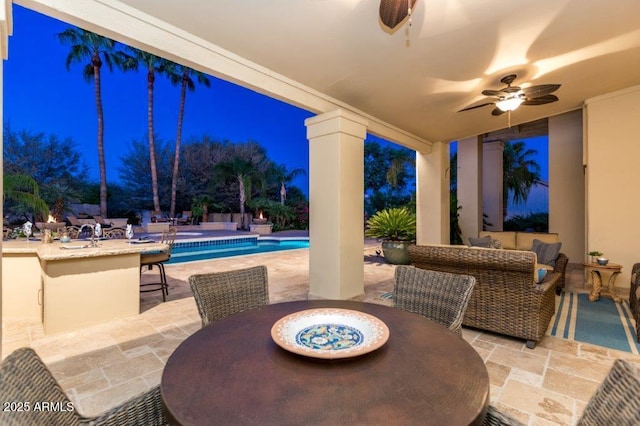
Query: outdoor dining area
{"points": [[233, 327]]}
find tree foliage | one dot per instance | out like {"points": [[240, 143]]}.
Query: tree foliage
{"points": [[387, 173]]}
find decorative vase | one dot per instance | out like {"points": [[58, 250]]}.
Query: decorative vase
{"points": [[396, 252]]}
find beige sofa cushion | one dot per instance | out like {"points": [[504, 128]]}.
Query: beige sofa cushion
{"points": [[524, 240], [506, 238]]}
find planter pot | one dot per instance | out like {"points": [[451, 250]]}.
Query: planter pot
{"points": [[396, 252]]}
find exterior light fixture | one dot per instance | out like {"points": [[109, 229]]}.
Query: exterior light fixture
{"points": [[509, 104]]}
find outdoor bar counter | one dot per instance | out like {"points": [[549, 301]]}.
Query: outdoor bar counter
{"points": [[71, 288]]}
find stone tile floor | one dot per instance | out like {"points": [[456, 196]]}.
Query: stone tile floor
{"points": [[101, 366]]}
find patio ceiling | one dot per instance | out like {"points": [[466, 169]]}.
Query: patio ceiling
{"points": [[418, 77]]}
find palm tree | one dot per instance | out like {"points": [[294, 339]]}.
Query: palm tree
{"points": [[97, 49], [180, 74], [23, 190], [245, 173], [154, 64], [520, 172], [284, 177]]}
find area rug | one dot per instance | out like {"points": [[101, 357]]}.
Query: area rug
{"points": [[603, 323]]}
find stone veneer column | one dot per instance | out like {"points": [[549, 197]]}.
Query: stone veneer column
{"points": [[492, 184], [432, 195], [336, 204], [470, 186]]}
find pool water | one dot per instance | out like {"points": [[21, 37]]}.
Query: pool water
{"points": [[214, 249]]}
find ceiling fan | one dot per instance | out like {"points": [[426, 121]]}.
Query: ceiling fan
{"points": [[511, 97], [392, 12]]}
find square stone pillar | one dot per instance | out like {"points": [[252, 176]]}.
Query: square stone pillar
{"points": [[470, 186], [432, 195], [492, 185], [336, 204]]}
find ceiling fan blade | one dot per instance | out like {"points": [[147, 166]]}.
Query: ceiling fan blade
{"points": [[492, 93], [497, 111], [392, 12], [541, 90], [541, 100], [477, 106]]}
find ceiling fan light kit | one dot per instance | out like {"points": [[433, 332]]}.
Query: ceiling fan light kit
{"points": [[511, 97], [509, 104]]}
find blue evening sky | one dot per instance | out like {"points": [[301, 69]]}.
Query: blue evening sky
{"points": [[41, 95]]}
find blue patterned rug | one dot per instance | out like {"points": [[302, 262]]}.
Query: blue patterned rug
{"points": [[603, 323]]}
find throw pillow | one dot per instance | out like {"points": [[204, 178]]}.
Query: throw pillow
{"points": [[480, 242], [547, 253], [495, 243]]}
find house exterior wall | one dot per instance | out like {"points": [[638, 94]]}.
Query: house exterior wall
{"points": [[566, 184], [612, 149], [470, 187]]}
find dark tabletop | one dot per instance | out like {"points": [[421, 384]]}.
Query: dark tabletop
{"points": [[232, 372]]}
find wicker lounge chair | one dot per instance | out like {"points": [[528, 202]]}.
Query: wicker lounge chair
{"points": [[186, 218], [114, 233], [615, 402], [219, 294], [439, 296], [25, 379]]}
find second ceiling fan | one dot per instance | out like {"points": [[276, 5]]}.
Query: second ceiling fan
{"points": [[511, 97]]}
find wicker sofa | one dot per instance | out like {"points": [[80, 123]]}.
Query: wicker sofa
{"points": [[524, 241], [505, 299]]}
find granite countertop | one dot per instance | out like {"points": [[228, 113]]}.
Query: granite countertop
{"points": [[77, 249]]}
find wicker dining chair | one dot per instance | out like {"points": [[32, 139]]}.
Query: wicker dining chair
{"points": [[220, 294], [615, 402], [617, 399], [439, 296], [495, 417], [36, 398], [158, 258]]}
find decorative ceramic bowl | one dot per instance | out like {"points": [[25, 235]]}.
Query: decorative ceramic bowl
{"points": [[65, 239], [602, 261]]}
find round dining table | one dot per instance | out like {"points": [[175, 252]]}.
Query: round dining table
{"points": [[233, 372]]}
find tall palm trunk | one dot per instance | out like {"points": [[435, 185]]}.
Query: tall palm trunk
{"points": [[176, 159], [152, 148], [243, 199], [97, 63]]}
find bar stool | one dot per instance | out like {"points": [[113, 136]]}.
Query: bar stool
{"points": [[157, 258]]}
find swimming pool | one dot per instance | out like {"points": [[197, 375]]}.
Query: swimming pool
{"points": [[190, 251]]}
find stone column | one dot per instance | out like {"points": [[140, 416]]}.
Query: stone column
{"points": [[432, 195], [492, 184], [470, 186], [336, 204]]}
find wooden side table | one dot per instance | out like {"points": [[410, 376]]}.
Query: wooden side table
{"points": [[596, 277]]}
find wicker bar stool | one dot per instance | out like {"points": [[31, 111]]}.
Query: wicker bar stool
{"points": [[158, 258]]}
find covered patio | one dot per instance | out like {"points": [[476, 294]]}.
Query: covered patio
{"points": [[405, 86]]}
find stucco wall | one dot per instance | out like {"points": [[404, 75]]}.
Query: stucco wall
{"points": [[566, 183], [612, 145]]}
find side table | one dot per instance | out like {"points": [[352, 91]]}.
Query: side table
{"points": [[596, 277]]}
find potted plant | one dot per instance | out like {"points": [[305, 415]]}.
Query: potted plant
{"points": [[397, 228], [594, 255]]}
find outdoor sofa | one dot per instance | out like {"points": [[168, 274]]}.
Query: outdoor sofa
{"points": [[506, 298], [511, 240]]}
